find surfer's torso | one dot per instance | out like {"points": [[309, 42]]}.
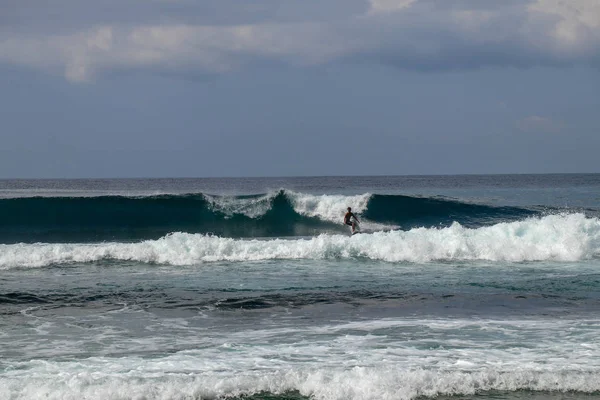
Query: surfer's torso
{"points": [[348, 218]]}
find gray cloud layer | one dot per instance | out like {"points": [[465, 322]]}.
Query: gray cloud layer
{"points": [[82, 39]]}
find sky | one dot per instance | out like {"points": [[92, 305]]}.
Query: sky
{"points": [[217, 88]]}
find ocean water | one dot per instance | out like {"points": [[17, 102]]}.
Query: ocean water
{"points": [[458, 287]]}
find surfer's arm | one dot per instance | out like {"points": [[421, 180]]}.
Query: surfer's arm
{"points": [[355, 217]]}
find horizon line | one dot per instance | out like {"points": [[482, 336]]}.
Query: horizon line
{"points": [[302, 176]]}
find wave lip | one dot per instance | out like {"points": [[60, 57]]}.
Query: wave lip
{"points": [[109, 218], [569, 237]]}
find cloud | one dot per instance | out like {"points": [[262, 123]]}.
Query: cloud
{"points": [[411, 34], [535, 123], [577, 22], [383, 6]]}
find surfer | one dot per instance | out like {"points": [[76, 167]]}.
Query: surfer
{"points": [[348, 219]]}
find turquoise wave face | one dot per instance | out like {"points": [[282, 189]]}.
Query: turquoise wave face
{"points": [[428, 212], [276, 214]]}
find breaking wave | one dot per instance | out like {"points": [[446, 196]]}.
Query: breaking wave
{"points": [[568, 237], [275, 214]]}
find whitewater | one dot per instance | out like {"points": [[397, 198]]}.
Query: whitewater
{"points": [[464, 287], [569, 237]]}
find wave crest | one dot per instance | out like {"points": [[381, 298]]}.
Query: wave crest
{"points": [[274, 214]]}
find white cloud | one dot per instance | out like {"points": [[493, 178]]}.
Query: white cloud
{"points": [[576, 24], [210, 49], [418, 34], [383, 6]]}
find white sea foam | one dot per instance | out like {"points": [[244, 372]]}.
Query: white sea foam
{"points": [[392, 358], [328, 207], [333, 207], [568, 237], [325, 207], [186, 377], [252, 207]]}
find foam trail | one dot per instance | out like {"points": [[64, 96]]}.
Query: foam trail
{"points": [[568, 237]]}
